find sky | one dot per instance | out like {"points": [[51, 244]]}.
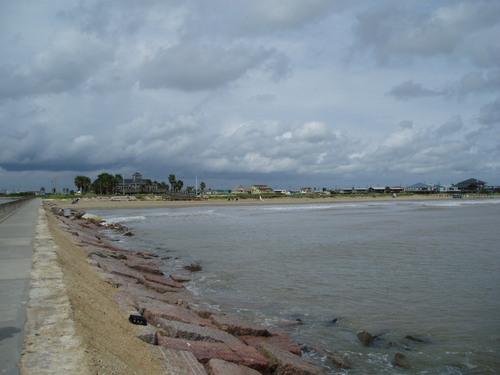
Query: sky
{"points": [[284, 93]]}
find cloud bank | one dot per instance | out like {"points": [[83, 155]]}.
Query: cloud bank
{"points": [[264, 92]]}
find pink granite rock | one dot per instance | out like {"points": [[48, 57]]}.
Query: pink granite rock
{"points": [[163, 280], [143, 266], [239, 326], [181, 276], [219, 367], [286, 363], [155, 311], [279, 341], [235, 352], [194, 332]]}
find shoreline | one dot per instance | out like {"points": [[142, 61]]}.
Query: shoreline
{"points": [[182, 333], [97, 258], [125, 202]]}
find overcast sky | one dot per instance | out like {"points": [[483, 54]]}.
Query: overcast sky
{"points": [[288, 93]]}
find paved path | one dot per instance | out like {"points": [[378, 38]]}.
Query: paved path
{"points": [[17, 237]]}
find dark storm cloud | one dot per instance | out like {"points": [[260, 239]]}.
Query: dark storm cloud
{"points": [[68, 61], [196, 66], [410, 90]]}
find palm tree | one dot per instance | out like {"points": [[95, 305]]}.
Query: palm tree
{"points": [[172, 181], [82, 183], [178, 185], [105, 183], [203, 186]]}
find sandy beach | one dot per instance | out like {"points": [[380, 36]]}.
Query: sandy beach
{"points": [[120, 202]]}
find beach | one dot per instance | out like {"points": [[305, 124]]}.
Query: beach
{"points": [[126, 202]]}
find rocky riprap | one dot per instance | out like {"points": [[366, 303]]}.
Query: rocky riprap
{"points": [[193, 338]]}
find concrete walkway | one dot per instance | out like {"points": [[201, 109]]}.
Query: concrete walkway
{"points": [[17, 237]]}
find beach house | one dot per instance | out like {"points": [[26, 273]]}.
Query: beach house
{"points": [[137, 184], [472, 185]]}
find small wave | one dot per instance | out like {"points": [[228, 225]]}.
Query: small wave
{"points": [[151, 214], [313, 207], [124, 219], [183, 213], [461, 203]]}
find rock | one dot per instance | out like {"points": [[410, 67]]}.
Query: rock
{"points": [[365, 338], [193, 267], [155, 311], [400, 360], [202, 312], [279, 341], [182, 362], [160, 288], [219, 367], [181, 276], [283, 362], [239, 326], [149, 334], [234, 352], [338, 361], [163, 280], [146, 255], [112, 267], [119, 257], [413, 338], [148, 267], [193, 332]]}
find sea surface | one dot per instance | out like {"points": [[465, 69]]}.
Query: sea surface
{"points": [[6, 200], [429, 269]]}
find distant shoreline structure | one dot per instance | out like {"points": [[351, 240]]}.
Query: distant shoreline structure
{"points": [[130, 202]]}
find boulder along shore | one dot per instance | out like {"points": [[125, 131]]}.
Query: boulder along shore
{"points": [[131, 318]]}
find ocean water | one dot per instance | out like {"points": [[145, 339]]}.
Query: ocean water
{"points": [[6, 200], [430, 269]]}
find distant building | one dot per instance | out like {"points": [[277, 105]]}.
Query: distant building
{"points": [[137, 184], [242, 190], [446, 188], [377, 189], [420, 187], [282, 191], [261, 189], [472, 185]]}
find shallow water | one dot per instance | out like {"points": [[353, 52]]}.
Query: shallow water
{"points": [[430, 269]]}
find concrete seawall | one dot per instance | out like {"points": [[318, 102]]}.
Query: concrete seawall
{"points": [[7, 209], [17, 238]]}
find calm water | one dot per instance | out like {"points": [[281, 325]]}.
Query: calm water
{"points": [[6, 200], [428, 269]]}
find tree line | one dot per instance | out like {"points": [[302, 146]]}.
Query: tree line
{"points": [[107, 183]]}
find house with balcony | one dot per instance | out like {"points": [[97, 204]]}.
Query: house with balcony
{"points": [[136, 185]]}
